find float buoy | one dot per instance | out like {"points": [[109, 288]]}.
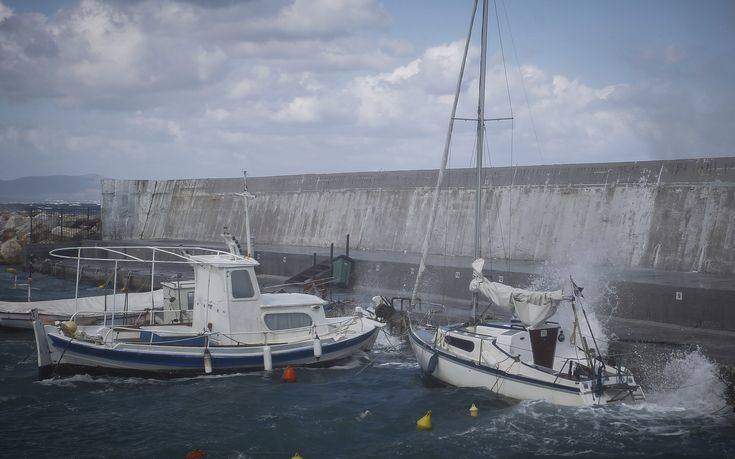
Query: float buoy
{"points": [[425, 422], [433, 361], [473, 411], [297, 455], [267, 359], [195, 454], [207, 362], [317, 348], [69, 328], [289, 375]]}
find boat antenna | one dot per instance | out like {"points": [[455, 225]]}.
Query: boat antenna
{"points": [[246, 195], [443, 167], [480, 144]]}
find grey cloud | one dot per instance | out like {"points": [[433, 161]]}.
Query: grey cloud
{"points": [[166, 89]]}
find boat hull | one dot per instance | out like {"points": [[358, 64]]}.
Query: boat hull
{"points": [[456, 371], [69, 356]]}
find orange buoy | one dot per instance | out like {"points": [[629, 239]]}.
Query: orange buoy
{"points": [[289, 375], [195, 454]]}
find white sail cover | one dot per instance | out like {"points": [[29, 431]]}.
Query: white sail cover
{"points": [[532, 308], [91, 304]]}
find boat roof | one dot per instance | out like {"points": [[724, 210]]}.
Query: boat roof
{"points": [[290, 299], [225, 260]]}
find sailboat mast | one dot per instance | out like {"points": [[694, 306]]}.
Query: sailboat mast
{"points": [[443, 167], [480, 144]]}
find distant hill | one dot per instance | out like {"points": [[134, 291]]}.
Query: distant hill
{"points": [[70, 188]]}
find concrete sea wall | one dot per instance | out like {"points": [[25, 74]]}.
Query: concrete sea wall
{"points": [[674, 215]]}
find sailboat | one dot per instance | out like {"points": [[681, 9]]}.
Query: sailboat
{"points": [[528, 357]]}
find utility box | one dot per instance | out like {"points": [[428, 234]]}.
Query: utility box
{"points": [[342, 269]]}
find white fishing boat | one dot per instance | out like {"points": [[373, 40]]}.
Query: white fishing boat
{"points": [[528, 358], [234, 327]]}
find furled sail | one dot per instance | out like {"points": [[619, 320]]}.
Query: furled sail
{"points": [[531, 307]]}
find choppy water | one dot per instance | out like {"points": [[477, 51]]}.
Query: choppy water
{"points": [[351, 410]]}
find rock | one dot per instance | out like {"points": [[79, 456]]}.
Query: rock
{"points": [[17, 222], [64, 232], [6, 235], [11, 251]]}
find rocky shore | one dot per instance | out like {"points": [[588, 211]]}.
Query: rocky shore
{"points": [[19, 228]]}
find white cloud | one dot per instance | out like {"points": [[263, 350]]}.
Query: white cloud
{"points": [[290, 85], [5, 12], [299, 110]]}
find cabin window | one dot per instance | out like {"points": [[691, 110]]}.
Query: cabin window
{"points": [[287, 320], [242, 286], [189, 300], [465, 345]]}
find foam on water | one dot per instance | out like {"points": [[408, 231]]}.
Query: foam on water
{"points": [[75, 380], [687, 381]]}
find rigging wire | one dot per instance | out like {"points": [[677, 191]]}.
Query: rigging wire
{"points": [[512, 138], [523, 83]]}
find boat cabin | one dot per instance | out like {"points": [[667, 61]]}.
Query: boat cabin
{"points": [[228, 301]]}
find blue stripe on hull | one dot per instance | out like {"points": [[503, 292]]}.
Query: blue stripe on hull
{"points": [[189, 361], [490, 370]]}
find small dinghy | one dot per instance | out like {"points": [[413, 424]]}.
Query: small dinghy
{"points": [[234, 327]]}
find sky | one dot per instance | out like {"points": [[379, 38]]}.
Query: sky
{"points": [[178, 89]]}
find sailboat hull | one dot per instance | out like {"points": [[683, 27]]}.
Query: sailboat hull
{"points": [[462, 372]]}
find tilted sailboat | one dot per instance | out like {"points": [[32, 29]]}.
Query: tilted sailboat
{"points": [[525, 358]]}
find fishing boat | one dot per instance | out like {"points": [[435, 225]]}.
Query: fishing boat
{"points": [[234, 326], [528, 357]]}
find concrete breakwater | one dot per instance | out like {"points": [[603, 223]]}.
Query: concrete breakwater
{"points": [[674, 215]]}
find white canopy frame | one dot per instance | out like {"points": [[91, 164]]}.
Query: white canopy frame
{"points": [[118, 254]]}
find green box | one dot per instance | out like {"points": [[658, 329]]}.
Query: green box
{"points": [[342, 268]]}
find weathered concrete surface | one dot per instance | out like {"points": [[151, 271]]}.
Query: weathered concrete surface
{"points": [[669, 215]]}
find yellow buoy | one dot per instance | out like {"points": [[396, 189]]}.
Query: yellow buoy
{"points": [[425, 422], [473, 410], [297, 456]]}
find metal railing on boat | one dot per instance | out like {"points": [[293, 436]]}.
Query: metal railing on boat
{"points": [[176, 255], [334, 327]]}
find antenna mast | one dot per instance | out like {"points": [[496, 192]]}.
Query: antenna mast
{"points": [[246, 195]]}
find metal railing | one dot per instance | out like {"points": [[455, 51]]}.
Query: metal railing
{"points": [[67, 223]]}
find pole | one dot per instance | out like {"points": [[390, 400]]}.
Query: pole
{"points": [[76, 287], [153, 273], [347, 246], [246, 196], [443, 167], [114, 296], [480, 145]]}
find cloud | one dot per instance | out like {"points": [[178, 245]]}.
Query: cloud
{"points": [[170, 88], [5, 12]]}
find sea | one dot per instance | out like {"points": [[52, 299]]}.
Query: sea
{"points": [[366, 406]]}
